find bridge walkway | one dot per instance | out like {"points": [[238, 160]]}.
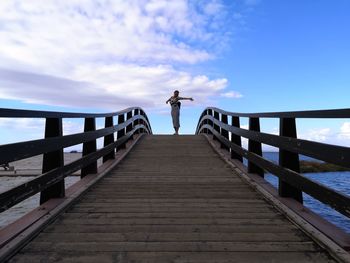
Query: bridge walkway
{"points": [[172, 199]]}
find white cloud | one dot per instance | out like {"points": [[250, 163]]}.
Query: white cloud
{"points": [[37, 125], [318, 135], [108, 87], [26, 124], [345, 131], [323, 135], [120, 30], [109, 54], [73, 126], [25, 129], [21, 129], [336, 135], [232, 94], [213, 7], [275, 131]]}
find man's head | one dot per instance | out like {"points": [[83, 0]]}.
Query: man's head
{"points": [[176, 93]]}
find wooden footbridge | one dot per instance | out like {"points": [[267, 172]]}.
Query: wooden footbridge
{"points": [[165, 198]]}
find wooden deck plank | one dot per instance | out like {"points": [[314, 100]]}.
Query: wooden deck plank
{"points": [[173, 221], [170, 214], [59, 228], [174, 246], [172, 237], [155, 201]]}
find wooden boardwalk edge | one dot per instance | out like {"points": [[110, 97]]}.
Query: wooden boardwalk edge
{"points": [[16, 235], [266, 190]]}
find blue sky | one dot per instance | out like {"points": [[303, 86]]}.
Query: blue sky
{"points": [[242, 56]]}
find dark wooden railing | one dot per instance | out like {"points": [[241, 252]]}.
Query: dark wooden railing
{"points": [[51, 182], [292, 184]]}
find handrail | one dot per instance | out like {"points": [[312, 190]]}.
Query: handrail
{"points": [[292, 184], [51, 182], [17, 113], [339, 155], [323, 114], [17, 151]]}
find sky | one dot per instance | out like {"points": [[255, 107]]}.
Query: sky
{"points": [[238, 55]]}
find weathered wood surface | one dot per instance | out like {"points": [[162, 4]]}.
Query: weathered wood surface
{"points": [[172, 200]]}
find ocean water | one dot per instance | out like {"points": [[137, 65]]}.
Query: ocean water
{"points": [[339, 181], [273, 156]]}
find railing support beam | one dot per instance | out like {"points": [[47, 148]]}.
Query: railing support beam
{"points": [[224, 132], [129, 127], [89, 147], [289, 160], [210, 121], [236, 139], [136, 122], [215, 126], [254, 147], [108, 139], [52, 160], [121, 133], [206, 121]]}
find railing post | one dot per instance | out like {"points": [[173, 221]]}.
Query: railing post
{"points": [[205, 113], [52, 160], [210, 121], [129, 127], [89, 147], [143, 122], [121, 133], [200, 123], [216, 127], [289, 160], [254, 147], [236, 139], [224, 132], [140, 122], [136, 122], [108, 139]]}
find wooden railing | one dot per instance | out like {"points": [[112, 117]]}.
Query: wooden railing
{"points": [[51, 182], [292, 184]]}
